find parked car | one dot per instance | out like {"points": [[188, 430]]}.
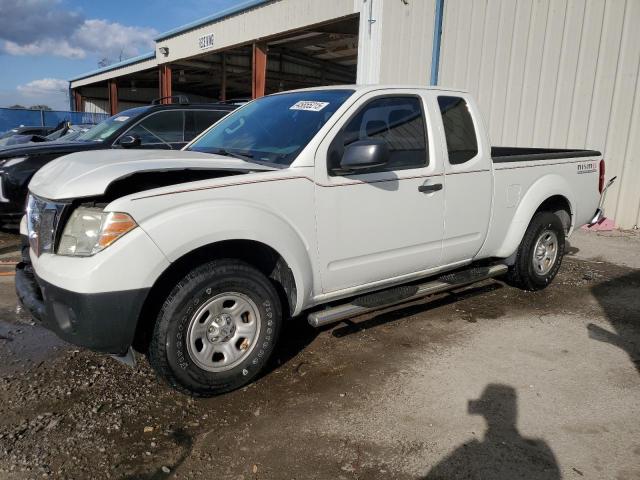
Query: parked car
{"points": [[330, 202], [168, 127], [27, 130], [71, 134], [64, 131]]}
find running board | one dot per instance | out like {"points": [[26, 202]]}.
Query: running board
{"points": [[403, 294]]}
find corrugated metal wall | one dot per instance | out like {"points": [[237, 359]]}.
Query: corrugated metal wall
{"points": [[558, 73], [95, 105], [407, 39]]}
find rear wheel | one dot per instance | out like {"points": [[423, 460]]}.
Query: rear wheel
{"points": [[540, 253], [216, 329]]}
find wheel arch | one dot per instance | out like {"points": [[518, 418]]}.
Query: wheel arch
{"points": [[257, 254], [560, 205], [549, 193]]}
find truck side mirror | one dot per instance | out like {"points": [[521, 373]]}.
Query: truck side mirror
{"points": [[129, 141], [364, 154]]}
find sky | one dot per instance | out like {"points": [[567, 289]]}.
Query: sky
{"points": [[44, 43]]}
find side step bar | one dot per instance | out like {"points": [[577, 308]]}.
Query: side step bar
{"points": [[403, 294]]}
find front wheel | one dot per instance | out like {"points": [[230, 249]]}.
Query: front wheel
{"points": [[217, 328], [540, 253]]}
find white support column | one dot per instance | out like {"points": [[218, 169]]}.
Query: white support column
{"points": [[369, 40]]}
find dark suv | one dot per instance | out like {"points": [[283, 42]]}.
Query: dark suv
{"points": [[156, 126]]}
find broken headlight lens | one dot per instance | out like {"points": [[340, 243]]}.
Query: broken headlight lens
{"points": [[90, 230]]}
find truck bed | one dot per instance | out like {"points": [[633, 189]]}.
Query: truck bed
{"points": [[523, 154]]}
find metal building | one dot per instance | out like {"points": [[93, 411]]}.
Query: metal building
{"points": [[547, 73]]}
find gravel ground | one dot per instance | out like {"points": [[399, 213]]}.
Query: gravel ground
{"points": [[490, 382]]}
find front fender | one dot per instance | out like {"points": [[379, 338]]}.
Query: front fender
{"points": [[545, 187], [182, 229]]}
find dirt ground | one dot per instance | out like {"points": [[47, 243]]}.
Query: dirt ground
{"points": [[489, 382]]}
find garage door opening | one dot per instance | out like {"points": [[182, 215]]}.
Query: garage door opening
{"points": [[118, 94], [319, 55], [221, 76]]}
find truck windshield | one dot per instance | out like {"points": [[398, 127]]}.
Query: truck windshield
{"points": [[273, 129]]}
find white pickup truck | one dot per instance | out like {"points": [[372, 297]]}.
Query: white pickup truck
{"points": [[330, 202]]}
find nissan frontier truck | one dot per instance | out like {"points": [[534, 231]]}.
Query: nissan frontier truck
{"points": [[318, 204]]}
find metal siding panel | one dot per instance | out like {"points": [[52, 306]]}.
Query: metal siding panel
{"points": [[584, 84], [517, 65], [407, 39], [564, 95], [489, 46], [606, 71], [95, 105], [462, 45], [629, 198], [603, 111], [448, 43], [474, 60], [501, 70], [388, 61], [422, 23], [549, 72], [559, 73], [624, 199], [369, 43], [533, 67]]}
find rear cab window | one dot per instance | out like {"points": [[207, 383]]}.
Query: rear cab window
{"points": [[459, 131]]}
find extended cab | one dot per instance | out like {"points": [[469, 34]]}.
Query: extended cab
{"points": [[329, 202]]}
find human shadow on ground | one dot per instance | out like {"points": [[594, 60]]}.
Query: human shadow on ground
{"points": [[503, 453], [620, 299]]}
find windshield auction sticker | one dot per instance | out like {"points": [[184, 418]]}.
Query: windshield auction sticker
{"points": [[309, 105], [121, 119]]}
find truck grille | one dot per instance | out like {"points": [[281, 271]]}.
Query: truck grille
{"points": [[43, 217]]}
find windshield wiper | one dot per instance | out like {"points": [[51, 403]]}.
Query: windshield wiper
{"points": [[246, 156]]}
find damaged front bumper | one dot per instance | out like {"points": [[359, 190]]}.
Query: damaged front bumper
{"points": [[102, 322]]}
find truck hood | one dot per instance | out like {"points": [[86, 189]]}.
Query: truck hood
{"points": [[89, 174]]}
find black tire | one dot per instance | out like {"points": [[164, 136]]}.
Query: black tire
{"points": [[523, 273], [168, 351]]}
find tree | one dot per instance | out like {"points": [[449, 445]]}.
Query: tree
{"points": [[18, 106], [104, 62]]}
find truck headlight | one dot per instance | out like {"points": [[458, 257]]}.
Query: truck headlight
{"points": [[90, 230]]}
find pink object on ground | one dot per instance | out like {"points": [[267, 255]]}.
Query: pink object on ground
{"points": [[605, 225]]}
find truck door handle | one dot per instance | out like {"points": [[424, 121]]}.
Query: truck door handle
{"points": [[430, 188]]}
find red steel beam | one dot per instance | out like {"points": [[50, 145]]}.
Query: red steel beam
{"points": [[223, 83], [259, 77], [112, 86], [165, 83], [78, 101]]}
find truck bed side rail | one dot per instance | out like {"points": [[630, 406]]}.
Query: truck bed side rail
{"points": [[523, 154]]}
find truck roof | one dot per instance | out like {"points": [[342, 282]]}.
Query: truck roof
{"points": [[375, 87]]}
